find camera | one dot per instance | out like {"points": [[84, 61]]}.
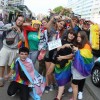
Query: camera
{"points": [[68, 21]]}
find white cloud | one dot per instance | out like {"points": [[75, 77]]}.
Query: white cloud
{"points": [[42, 6]]}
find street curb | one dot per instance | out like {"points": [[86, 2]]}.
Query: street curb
{"points": [[93, 90]]}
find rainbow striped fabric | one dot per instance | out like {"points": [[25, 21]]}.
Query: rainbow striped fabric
{"points": [[63, 75], [83, 61], [16, 76], [26, 29], [37, 81]]}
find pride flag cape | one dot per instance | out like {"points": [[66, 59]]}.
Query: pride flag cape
{"points": [[26, 29], [37, 80], [63, 75], [83, 61]]}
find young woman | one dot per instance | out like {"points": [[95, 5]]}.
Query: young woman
{"points": [[82, 62], [55, 29], [62, 63], [32, 38], [43, 46]]}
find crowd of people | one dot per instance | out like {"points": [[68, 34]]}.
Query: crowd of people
{"points": [[27, 41]]}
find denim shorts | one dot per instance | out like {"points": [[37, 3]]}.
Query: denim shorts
{"points": [[33, 55]]}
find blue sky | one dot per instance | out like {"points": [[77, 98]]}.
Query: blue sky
{"points": [[43, 6]]}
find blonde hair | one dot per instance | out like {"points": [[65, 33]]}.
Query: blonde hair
{"points": [[37, 22]]}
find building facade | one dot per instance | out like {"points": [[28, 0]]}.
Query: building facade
{"points": [[12, 2], [85, 8], [3, 3], [16, 2]]}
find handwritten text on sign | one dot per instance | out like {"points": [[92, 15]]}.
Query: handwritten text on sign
{"points": [[54, 44]]}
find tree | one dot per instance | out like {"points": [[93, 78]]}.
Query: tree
{"points": [[63, 11], [58, 9]]}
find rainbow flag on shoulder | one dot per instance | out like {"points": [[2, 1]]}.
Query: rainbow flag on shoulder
{"points": [[83, 61]]}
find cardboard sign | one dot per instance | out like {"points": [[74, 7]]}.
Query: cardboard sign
{"points": [[54, 44]]}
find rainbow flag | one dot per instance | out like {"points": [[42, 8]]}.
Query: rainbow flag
{"points": [[63, 75], [26, 29], [83, 61]]}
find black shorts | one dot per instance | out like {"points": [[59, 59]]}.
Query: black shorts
{"points": [[49, 57], [76, 82]]}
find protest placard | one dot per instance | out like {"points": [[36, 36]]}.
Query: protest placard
{"points": [[54, 44]]}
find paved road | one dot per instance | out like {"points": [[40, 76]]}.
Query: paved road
{"points": [[49, 96]]}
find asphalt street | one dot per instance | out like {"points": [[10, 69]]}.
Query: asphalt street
{"points": [[49, 96]]}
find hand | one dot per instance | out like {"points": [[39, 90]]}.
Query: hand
{"points": [[67, 45], [59, 48], [57, 17], [26, 24], [60, 58], [68, 18], [14, 27], [30, 85], [17, 29], [75, 48], [72, 55]]}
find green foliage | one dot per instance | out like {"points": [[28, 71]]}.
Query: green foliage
{"points": [[66, 11], [58, 9]]}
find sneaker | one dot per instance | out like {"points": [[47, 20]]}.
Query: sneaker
{"points": [[13, 95], [55, 86], [47, 89], [80, 95], [51, 88], [70, 90]]}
